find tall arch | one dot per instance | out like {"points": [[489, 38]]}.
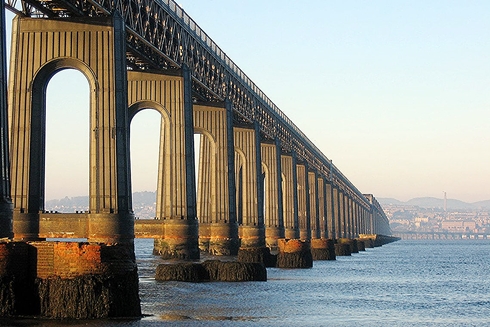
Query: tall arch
{"points": [[207, 188], [176, 195], [162, 118], [272, 193], [32, 65], [248, 162], [240, 173], [40, 48], [67, 145], [164, 146], [218, 229], [266, 190], [37, 120]]}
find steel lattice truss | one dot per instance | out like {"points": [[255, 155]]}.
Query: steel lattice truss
{"points": [[161, 36]]}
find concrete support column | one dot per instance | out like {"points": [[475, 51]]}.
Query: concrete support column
{"points": [[205, 191], [176, 196], [303, 202], [360, 220], [342, 215], [348, 215], [336, 212], [372, 221], [273, 203], [362, 229], [6, 206], [32, 65], [106, 264], [290, 207], [355, 209], [369, 225], [330, 214], [322, 208], [249, 187], [313, 205], [354, 218], [218, 228]]}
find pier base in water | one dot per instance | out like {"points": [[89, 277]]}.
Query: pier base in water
{"points": [[211, 270], [180, 240], [260, 254], [378, 239], [323, 249], [68, 280], [352, 244], [361, 246], [294, 254], [342, 249]]}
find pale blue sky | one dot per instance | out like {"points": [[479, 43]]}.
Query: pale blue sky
{"points": [[396, 93]]}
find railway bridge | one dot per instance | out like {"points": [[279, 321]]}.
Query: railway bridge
{"points": [[260, 178]]}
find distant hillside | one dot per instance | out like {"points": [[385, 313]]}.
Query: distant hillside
{"points": [[143, 204], [147, 199], [77, 203], [429, 202]]}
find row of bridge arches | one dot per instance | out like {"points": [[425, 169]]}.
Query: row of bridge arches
{"points": [[247, 190]]}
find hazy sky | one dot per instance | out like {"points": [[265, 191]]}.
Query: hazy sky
{"points": [[396, 93]]}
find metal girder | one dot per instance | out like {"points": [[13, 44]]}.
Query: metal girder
{"points": [[161, 36]]}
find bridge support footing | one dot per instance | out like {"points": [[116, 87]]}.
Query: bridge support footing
{"points": [[72, 280], [291, 233], [378, 239], [254, 255], [361, 246], [323, 249], [6, 220], [342, 249], [219, 238], [272, 234], [211, 270], [294, 254], [352, 244], [180, 241], [368, 243]]}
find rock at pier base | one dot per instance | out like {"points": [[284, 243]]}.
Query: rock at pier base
{"points": [[235, 271], [90, 297], [352, 243], [16, 281], [68, 280], [361, 246], [254, 255], [368, 243], [181, 272], [294, 254], [211, 270], [342, 249], [378, 239], [323, 249], [180, 241]]}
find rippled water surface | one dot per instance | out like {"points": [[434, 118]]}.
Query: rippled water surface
{"points": [[407, 283]]}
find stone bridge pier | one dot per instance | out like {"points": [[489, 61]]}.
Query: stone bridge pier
{"points": [[176, 195], [249, 187], [273, 193], [216, 195], [97, 278]]}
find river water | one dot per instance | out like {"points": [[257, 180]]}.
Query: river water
{"points": [[406, 283]]}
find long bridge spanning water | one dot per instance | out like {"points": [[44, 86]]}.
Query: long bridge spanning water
{"points": [[260, 178]]}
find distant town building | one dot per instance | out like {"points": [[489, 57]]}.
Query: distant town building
{"points": [[458, 225]]}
